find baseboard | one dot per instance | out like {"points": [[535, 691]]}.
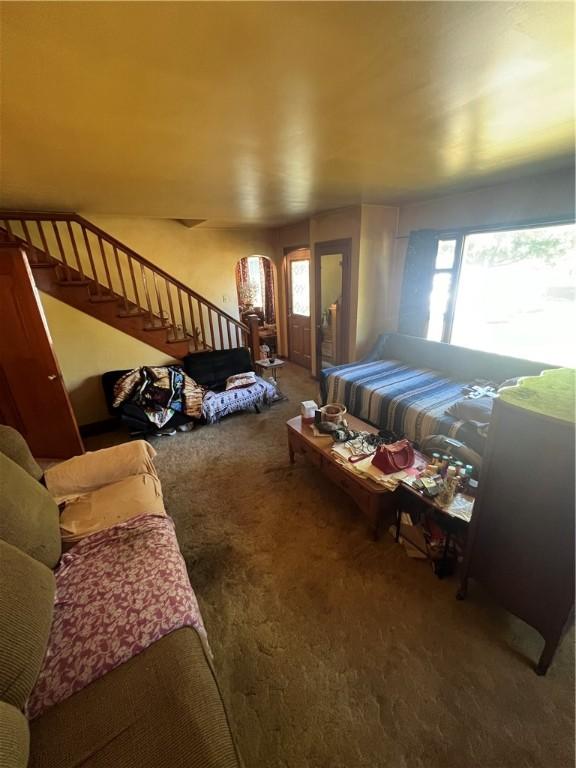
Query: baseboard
{"points": [[99, 427]]}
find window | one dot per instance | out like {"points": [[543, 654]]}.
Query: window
{"points": [[255, 280], [509, 291]]}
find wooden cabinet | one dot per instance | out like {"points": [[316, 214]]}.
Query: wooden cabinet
{"points": [[521, 542]]}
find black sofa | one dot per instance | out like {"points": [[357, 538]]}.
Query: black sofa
{"points": [[210, 369]]}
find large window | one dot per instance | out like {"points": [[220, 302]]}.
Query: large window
{"points": [[508, 291]]}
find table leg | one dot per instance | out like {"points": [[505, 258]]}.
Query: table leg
{"points": [[291, 454]]}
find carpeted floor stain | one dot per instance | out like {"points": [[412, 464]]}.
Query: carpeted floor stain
{"points": [[334, 651]]}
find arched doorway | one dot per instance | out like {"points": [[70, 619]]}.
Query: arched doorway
{"points": [[256, 295]]}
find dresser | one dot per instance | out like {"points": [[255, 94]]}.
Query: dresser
{"points": [[521, 541]]}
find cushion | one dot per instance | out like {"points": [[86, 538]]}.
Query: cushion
{"points": [[110, 505], [211, 369], [29, 517], [240, 380], [14, 737], [26, 605], [472, 409], [13, 445], [160, 709], [93, 470]]}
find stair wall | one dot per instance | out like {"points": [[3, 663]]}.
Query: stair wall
{"points": [[86, 348]]}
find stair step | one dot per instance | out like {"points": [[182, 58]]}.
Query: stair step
{"points": [[103, 298], [43, 265], [74, 283], [159, 327], [132, 313]]}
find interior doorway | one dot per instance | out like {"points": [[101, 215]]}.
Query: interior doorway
{"points": [[332, 277], [256, 296], [299, 306]]}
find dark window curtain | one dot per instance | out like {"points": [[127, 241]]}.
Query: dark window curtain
{"points": [[269, 313], [417, 283]]}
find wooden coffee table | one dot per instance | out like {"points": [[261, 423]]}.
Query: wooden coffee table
{"points": [[374, 500]]}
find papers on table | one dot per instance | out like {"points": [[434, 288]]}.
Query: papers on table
{"points": [[365, 468]]}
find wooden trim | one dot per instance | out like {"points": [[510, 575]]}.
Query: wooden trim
{"points": [[100, 427], [342, 246]]}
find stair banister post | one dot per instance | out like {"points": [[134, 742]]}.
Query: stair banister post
{"points": [[254, 336]]}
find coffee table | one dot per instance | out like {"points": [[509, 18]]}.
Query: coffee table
{"points": [[374, 500]]}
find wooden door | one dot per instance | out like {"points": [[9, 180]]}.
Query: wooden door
{"points": [[299, 321], [33, 398]]}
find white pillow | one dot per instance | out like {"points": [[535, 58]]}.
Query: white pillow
{"points": [[240, 380]]}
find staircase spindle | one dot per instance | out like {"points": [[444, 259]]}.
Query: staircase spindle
{"points": [[202, 330], [133, 279], [61, 250], [182, 318], [229, 334], [75, 249], [192, 321], [212, 337], [158, 297], [121, 278], [105, 262], [147, 294], [221, 336], [8, 229], [44, 241], [91, 260], [32, 249], [172, 318]]}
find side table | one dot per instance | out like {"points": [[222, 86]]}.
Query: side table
{"points": [[266, 365]]}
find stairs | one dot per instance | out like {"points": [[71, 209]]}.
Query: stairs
{"points": [[83, 266]]}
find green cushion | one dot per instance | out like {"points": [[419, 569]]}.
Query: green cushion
{"points": [[160, 709], [26, 605], [14, 737], [13, 445], [29, 517]]}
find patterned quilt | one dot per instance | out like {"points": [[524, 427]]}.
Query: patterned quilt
{"points": [[216, 405], [117, 592], [392, 395]]}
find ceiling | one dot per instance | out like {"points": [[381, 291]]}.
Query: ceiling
{"points": [[262, 113]]}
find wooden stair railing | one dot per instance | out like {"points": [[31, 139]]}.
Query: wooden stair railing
{"points": [[86, 255]]}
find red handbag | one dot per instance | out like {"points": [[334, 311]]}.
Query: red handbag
{"points": [[394, 457]]}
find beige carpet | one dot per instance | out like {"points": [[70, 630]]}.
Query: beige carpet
{"points": [[334, 651]]}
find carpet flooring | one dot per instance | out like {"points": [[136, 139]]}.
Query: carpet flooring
{"points": [[335, 651]]}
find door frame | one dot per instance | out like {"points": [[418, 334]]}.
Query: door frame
{"points": [[287, 250], [342, 246]]}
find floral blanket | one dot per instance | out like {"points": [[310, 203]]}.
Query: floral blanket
{"points": [[117, 592]]}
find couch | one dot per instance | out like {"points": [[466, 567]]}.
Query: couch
{"points": [[405, 385], [210, 369], [161, 705]]}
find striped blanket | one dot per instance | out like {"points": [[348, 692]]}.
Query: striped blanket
{"points": [[392, 395]]}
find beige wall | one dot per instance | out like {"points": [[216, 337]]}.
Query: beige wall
{"points": [[86, 348], [375, 305], [532, 198], [337, 225]]}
